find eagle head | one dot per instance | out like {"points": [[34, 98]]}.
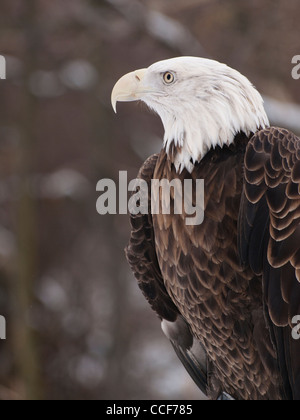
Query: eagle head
{"points": [[202, 104]]}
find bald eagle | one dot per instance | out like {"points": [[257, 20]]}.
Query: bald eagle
{"points": [[227, 291]]}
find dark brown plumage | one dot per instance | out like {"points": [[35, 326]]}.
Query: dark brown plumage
{"points": [[227, 290]]}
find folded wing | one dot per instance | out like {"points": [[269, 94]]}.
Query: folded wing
{"points": [[269, 238]]}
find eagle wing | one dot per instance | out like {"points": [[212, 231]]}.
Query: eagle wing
{"points": [[142, 258], [269, 239]]}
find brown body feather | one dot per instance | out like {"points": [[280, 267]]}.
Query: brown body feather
{"points": [[239, 311]]}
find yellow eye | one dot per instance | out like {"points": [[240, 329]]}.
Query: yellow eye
{"points": [[169, 77]]}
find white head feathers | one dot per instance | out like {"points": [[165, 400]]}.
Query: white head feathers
{"points": [[202, 104]]}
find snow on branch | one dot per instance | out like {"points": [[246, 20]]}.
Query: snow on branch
{"points": [[286, 115], [161, 27]]}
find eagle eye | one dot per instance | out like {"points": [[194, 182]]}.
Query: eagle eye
{"points": [[169, 77]]}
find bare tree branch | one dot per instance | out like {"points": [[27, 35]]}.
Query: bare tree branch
{"points": [[161, 27]]}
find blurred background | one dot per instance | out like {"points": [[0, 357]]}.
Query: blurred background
{"points": [[77, 324]]}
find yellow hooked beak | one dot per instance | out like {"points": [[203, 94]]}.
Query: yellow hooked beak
{"points": [[129, 88]]}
